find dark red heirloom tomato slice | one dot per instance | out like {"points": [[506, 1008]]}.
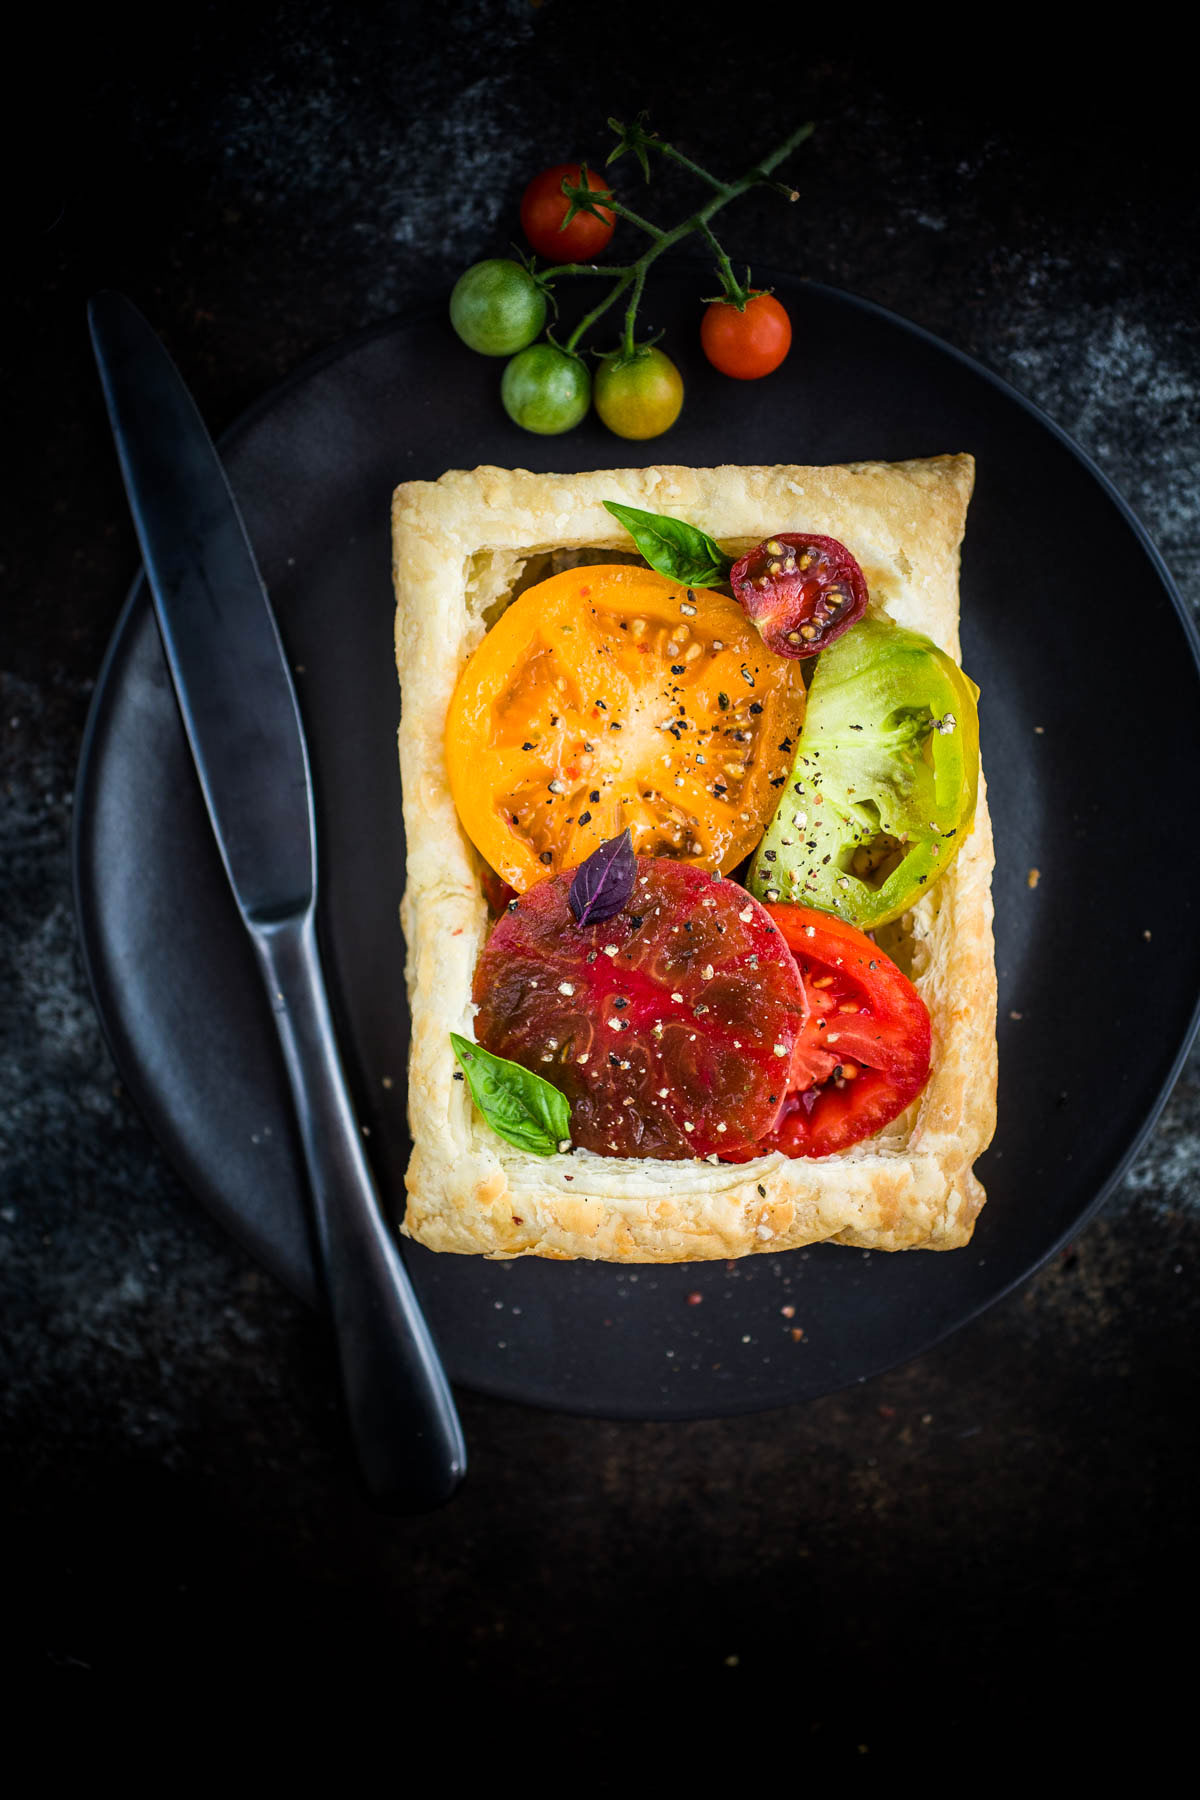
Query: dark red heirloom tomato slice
{"points": [[863, 1054], [670, 1027], [801, 590]]}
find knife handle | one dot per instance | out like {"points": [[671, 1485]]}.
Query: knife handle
{"points": [[402, 1414]]}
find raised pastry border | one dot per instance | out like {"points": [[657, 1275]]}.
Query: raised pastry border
{"points": [[461, 545]]}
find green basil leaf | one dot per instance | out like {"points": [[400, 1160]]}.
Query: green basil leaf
{"points": [[679, 551], [522, 1108]]}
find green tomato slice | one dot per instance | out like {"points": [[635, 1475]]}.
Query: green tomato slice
{"points": [[883, 789]]}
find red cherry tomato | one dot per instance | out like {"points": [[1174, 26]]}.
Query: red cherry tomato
{"points": [[863, 1053], [749, 343], [670, 1028], [545, 206], [801, 590]]}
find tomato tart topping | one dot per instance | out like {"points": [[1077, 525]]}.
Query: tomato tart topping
{"points": [[863, 1053], [883, 788], [670, 1026], [618, 740], [801, 590], [610, 697]]}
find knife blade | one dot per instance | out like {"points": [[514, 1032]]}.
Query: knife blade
{"points": [[239, 710]]}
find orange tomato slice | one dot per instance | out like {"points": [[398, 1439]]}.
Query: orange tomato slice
{"points": [[609, 696]]}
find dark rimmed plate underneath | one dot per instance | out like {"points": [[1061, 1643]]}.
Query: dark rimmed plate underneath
{"points": [[1054, 568]]}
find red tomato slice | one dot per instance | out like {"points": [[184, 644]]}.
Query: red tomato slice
{"points": [[670, 1028], [863, 1054], [801, 590]]}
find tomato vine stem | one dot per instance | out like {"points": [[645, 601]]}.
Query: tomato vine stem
{"points": [[734, 291], [625, 275], [610, 299]]}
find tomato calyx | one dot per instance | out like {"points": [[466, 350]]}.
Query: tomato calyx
{"points": [[735, 293], [583, 197], [635, 139], [739, 299], [802, 590], [636, 350]]}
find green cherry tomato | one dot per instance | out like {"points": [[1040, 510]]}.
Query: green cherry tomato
{"points": [[497, 307], [882, 792], [546, 389], [639, 396]]}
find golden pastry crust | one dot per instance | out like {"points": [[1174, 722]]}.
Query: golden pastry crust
{"points": [[461, 544]]}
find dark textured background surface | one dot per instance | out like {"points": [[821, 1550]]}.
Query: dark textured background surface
{"points": [[1008, 1508]]}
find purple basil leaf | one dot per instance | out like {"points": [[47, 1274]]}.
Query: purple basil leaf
{"points": [[603, 883]]}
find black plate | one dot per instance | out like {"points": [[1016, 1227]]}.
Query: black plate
{"points": [[1069, 626]]}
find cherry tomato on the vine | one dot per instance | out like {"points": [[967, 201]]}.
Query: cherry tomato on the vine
{"points": [[497, 307], [749, 343], [545, 389], [639, 396], [545, 206]]}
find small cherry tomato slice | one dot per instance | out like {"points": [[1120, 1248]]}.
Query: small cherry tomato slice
{"points": [[884, 785], [609, 696], [544, 206], [801, 590], [863, 1053], [748, 343], [670, 1027], [639, 396]]}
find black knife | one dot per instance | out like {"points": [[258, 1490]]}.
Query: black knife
{"points": [[239, 709]]}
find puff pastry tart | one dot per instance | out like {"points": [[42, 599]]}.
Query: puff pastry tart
{"points": [[464, 547]]}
